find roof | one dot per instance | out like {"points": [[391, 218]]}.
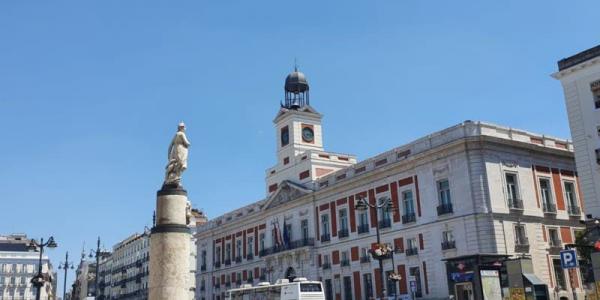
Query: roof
{"points": [[578, 58]]}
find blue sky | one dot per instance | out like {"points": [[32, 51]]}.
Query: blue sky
{"points": [[91, 93]]}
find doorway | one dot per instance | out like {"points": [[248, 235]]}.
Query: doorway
{"points": [[463, 291]]}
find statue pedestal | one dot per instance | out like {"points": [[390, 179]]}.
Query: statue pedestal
{"points": [[170, 247]]}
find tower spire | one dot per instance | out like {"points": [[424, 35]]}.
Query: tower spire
{"points": [[296, 89]]}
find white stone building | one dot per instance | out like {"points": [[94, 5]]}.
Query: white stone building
{"points": [[471, 189], [18, 266], [580, 78]]}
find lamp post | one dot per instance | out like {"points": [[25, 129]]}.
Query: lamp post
{"points": [[38, 280], [65, 265], [384, 203], [97, 267]]}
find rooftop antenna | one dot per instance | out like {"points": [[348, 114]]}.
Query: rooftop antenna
{"points": [[295, 65]]}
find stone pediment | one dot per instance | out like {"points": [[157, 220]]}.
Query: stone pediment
{"points": [[308, 110], [286, 192]]}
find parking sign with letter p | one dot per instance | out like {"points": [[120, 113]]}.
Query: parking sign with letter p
{"points": [[568, 259]]}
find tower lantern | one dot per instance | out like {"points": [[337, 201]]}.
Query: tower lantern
{"points": [[296, 90]]}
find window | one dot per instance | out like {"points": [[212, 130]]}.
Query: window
{"points": [[304, 229], [250, 246], [546, 192], [512, 190], [239, 248], [391, 285], [385, 211], [262, 241], [288, 231], [559, 275], [407, 203], [326, 259], [344, 219], [554, 240], [414, 271], [520, 235], [203, 258], [368, 283], [447, 236], [325, 224], [228, 252], [363, 222], [218, 256], [444, 192], [345, 259], [347, 288], [328, 289], [412, 243], [570, 193], [595, 87]]}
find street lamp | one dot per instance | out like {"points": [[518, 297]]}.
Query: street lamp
{"points": [[65, 265], [384, 204], [97, 267], [38, 280]]}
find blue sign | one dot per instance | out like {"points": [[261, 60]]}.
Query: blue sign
{"points": [[568, 259], [413, 286]]}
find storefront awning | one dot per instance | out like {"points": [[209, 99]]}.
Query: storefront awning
{"points": [[534, 280]]}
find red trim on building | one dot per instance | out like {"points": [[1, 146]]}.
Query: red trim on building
{"points": [[544, 233], [373, 211], [256, 272], [573, 278], [324, 207], [244, 242], [333, 219], [560, 200], [317, 224], [335, 257], [381, 189], [233, 246], [357, 289], [399, 244], [394, 193], [542, 169], [262, 226], [272, 187], [378, 291], [256, 241], [567, 173], [352, 214], [418, 196], [354, 253], [341, 201], [244, 275], [566, 236], [319, 260], [549, 270], [421, 242], [403, 285], [304, 174], [581, 203], [405, 181], [425, 277]]}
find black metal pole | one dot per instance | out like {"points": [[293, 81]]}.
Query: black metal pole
{"points": [[381, 275], [40, 284], [97, 269], [66, 267]]}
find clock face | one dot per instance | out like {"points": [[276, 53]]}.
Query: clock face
{"points": [[307, 134], [285, 137]]}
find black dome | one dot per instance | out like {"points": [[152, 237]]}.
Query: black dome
{"points": [[296, 82]]}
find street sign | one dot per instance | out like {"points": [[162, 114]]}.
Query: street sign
{"points": [[413, 286], [568, 259]]}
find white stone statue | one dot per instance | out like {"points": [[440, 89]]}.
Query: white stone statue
{"points": [[178, 155]]}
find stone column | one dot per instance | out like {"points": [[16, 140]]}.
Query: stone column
{"points": [[170, 247]]}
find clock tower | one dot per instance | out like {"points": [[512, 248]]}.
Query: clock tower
{"points": [[300, 154]]}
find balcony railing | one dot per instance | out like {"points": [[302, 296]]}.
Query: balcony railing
{"points": [[444, 208], [365, 259], [228, 262], [326, 266], [238, 259], [325, 237], [574, 211], [515, 204], [448, 245], [363, 228], [262, 277], [549, 208], [343, 233], [522, 245], [385, 223], [292, 245], [250, 256], [345, 262], [238, 282], [203, 268], [408, 218], [227, 284], [412, 251], [217, 264], [250, 280], [555, 246]]}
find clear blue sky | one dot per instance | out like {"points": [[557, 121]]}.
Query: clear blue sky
{"points": [[91, 92]]}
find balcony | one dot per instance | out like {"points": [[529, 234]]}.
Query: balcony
{"points": [[363, 228], [217, 286], [574, 211], [412, 251], [326, 266], [446, 245], [555, 246], [227, 284], [409, 218], [250, 256], [343, 233], [238, 282], [228, 262], [365, 259], [385, 223], [217, 264], [238, 259], [445, 208], [203, 268], [345, 262], [522, 245], [262, 277], [515, 204], [250, 280], [549, 208], [292, 245], [325, 237], [202, 289]]}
